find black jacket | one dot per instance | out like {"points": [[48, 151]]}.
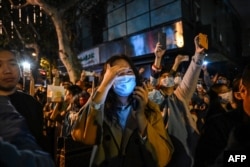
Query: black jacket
{"points": [[214, 137], [32, 111], [18, 147]]}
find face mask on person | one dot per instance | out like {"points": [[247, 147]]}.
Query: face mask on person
{"points": [[226, 97], [167, 81], [177, 80], [124, 85], [221, 81]]}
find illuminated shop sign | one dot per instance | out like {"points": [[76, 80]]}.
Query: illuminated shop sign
{"points": [[136, 45], [89, 58]]}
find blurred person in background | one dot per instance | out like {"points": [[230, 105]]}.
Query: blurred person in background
{"points": [[200, 104], [217, 127], [221, 98]]}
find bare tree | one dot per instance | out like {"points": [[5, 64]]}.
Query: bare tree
{"points": [[56, 13]]}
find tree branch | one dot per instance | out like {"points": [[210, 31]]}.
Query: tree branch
{"points": [[18, 34], [18, 6], [33, 28], [6, 32]]}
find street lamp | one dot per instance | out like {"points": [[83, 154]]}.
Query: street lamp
{"points": [[26, 68], [25, 72]]}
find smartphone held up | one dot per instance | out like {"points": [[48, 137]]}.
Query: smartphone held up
{"points": [[203, 41], [162, 39]]}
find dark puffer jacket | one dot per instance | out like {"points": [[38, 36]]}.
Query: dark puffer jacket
{"points": [[17, 146]]}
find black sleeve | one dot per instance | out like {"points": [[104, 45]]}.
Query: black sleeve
{"points": [[213, 139], [32, 111]]}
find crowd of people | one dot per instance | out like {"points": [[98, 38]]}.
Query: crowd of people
{"points": [[172, 119]]}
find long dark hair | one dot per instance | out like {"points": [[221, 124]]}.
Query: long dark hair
{"points": [[112, 101]]}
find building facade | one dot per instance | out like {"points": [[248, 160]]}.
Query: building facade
{"points": [[133, 27]]}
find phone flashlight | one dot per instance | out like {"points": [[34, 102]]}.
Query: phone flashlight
{"points": [[205, 63]]}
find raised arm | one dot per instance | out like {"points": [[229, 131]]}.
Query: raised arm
{"points": [[156, 67], [206, 76], [188, 85], [178, 60]]}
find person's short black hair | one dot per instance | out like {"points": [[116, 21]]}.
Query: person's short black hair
{"points": [[7, 48], [74, 89]]}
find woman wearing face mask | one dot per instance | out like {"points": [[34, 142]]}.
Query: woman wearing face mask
{"points": [[130, 128], [221, 98], [174, 103]]}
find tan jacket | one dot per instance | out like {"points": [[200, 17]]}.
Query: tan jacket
{"points": [[126, 148]]}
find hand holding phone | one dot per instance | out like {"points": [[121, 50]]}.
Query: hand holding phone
{"points": [[135, 102], [203, 40], [162, 40]]}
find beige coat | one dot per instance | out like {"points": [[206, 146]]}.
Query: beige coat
{"points": [[126, 148]]}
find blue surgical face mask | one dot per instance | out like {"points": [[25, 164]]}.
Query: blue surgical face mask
{"points": [[124, 85], [167, 82], [221, 81]]}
